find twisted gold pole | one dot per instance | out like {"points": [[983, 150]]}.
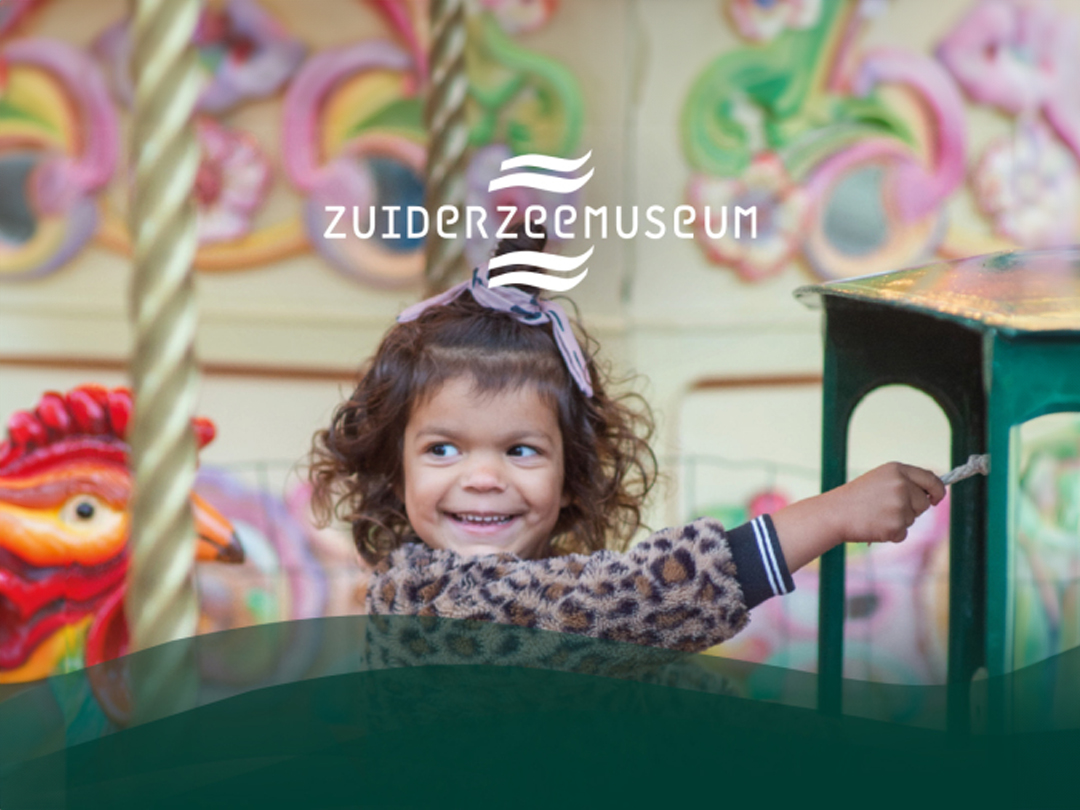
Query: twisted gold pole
{"points": [[448, 138], [160, 602]]}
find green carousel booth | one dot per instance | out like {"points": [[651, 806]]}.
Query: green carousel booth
{"points": [[995, 341]]}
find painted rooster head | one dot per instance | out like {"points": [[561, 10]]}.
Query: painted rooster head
{"points": [[64, 491]]}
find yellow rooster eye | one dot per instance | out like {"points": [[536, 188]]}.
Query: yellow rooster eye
{"points": [[84, 511]]}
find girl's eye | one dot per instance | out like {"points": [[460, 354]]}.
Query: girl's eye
{"points": [[444, 450], [523, 451]]}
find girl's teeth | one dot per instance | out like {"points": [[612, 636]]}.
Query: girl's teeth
{"points": [[483, 518]]}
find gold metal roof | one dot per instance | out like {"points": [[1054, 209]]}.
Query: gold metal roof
{"points": [[1020, 291]]}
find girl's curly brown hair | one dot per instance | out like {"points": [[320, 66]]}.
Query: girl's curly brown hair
{"points": [[356, 464]]}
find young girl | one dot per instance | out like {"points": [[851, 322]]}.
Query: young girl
{"points": [[488, 474]]}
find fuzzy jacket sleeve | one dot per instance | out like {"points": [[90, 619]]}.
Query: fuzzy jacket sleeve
{"points": [[681, 588]]}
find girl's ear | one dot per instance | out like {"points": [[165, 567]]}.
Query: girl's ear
{"points": [[565, 500]]}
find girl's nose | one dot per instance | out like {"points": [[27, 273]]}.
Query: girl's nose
{"points": [[483, 475]]}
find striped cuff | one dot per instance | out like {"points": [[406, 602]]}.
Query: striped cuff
{"points": [[759, 563]]}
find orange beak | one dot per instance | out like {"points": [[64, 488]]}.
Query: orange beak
{"points": [[218, 541]]}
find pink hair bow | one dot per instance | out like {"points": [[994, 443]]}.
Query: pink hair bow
{"points": [[526, 308]]}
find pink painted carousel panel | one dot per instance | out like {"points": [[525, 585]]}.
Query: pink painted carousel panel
{"points": [[302, 108], [864, 153]]}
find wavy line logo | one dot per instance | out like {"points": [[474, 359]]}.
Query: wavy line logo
{"points": [[555, 184]]}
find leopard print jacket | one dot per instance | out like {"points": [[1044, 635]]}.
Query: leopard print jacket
{"points": [[677, 589]]}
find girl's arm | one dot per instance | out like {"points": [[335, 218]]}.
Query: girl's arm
{"points": [[686, 588], [878, 507]]}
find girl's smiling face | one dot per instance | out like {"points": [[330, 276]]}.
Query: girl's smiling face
{"points": [[484, 470]]}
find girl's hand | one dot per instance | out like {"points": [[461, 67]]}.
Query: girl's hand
{"points": [[878, 507], [881, 505]]}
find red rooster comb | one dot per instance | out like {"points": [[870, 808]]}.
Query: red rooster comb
{"points": [[87, 412]]}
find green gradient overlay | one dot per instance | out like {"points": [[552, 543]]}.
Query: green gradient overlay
{"points": [[352, 712]]}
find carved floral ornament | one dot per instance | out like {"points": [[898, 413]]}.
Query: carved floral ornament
{"points": [[350, 130]]}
